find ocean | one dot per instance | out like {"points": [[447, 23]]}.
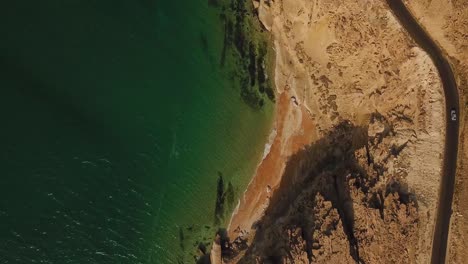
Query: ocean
{"points": [[117, 120]]}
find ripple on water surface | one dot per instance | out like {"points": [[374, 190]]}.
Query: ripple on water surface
{"points": [[114, 130]]}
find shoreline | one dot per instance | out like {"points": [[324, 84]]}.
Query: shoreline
{"points": [[292, 130], [353, 62]]}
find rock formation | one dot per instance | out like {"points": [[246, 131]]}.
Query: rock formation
{"points": [[360, 111]]}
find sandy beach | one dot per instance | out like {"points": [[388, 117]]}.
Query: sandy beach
{"points": [[293, 129]]}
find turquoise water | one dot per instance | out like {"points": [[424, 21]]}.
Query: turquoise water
{"points": [[116, 119]]}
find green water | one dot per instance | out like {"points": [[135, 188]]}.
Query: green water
{"points": [[115, 120]]}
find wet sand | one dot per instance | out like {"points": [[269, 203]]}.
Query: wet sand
{"points": [[294, 129]]}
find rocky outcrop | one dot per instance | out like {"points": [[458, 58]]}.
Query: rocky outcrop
{"points": [[360, 193], [338, 203]]}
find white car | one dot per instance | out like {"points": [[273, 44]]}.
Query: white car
{"points": [[453, 114]]}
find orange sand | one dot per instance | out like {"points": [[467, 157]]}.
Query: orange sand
{"points": [[294, 130]]}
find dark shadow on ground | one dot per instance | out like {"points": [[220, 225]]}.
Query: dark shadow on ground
{"points": [[324, 167], [315, 200]]}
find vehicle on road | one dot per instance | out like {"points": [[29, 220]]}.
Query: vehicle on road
{"points": [[453, 114]]}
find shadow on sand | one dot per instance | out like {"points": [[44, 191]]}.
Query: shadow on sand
{"points": [[325, 167], [320, 181]]}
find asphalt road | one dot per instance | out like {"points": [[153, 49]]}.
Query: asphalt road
{"points": [[444, 210]]}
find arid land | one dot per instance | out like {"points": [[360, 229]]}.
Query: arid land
{"points": [[447, 22], [355, 156]]}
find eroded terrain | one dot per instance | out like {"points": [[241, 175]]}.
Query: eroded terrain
{"points": [[447, 22], [346, 63]]}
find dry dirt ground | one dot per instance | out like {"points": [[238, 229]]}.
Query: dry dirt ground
{"points": [[447, 22], [355, 159]]}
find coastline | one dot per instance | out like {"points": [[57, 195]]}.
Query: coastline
{"points": [[340, 66], [292, 129]]}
